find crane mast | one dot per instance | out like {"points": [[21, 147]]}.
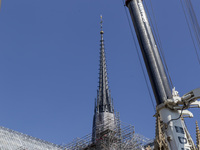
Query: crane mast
{"points": [[170, 106]]}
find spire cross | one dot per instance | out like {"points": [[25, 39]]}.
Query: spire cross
{"points": [[101, 24], [101, 20]]}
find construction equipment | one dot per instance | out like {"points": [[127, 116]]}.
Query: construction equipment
{"points": [[170, 106]]}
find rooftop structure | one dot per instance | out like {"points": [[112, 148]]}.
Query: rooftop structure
{"points": [[121, 137], [12, 140]]}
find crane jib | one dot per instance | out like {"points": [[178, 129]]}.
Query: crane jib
{"points": [[152, 58]]}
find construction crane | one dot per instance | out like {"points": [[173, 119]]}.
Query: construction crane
{"points": [[171, 108]]}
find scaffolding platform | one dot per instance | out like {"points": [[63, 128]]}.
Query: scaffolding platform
{"points": [[121, 137]]}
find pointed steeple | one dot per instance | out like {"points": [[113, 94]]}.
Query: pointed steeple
{"points": [[104, 117], [104, 103], [197, 136]]}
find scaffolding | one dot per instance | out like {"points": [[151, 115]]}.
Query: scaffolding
{"points": [[109, 137]]}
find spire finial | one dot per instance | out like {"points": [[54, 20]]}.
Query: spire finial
{"points": [[101, 24]]}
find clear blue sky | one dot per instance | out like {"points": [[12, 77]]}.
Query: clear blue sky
{"points": [[49, 61]]}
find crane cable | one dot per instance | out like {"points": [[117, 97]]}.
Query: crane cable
{"points": [[193, 20], [190, 30], [140, 60], [158, 40]]}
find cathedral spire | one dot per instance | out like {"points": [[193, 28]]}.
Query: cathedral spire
{"points": [[104, 117], [104, 103]]}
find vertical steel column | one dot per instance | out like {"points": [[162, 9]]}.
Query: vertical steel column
{"points": [[153, 62]]}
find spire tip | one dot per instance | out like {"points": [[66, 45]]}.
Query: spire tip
{"points": [[101, 25]]}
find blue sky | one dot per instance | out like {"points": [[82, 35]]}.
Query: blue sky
{"points": [[49, 61]]}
